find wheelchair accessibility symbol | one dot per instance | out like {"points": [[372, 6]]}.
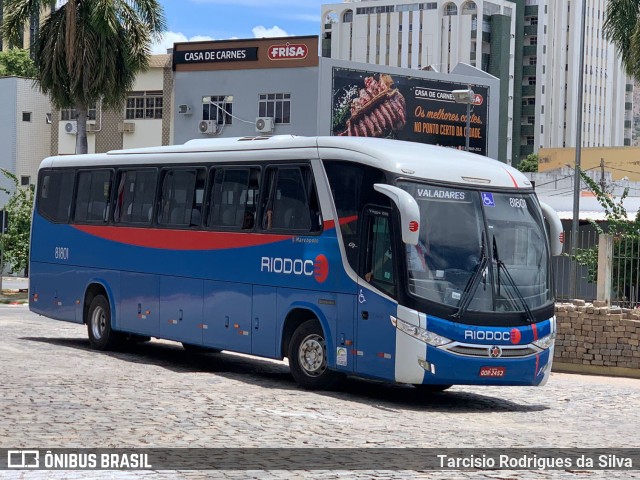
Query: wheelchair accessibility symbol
{"points": [[487, 199]]}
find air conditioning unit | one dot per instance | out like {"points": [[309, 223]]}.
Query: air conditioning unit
{"points": [[264, 124], [71, 128], [127, 127], [184, 109], [208, 127], [92, 127]]}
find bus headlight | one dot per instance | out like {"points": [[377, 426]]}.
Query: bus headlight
{"points": [[419, 333], [545, 342]]}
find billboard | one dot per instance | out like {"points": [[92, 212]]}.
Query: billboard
{"points": [[374, 104]]}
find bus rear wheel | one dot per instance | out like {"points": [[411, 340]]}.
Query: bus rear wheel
{"points": [[101, 336], [308, 358]]}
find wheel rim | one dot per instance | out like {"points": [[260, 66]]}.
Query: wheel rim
{"points": [[312, 355], [98, 322]]}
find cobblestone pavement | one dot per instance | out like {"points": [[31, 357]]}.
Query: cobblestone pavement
{"points": [[57, 392]]}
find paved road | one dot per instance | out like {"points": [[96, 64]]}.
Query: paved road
{"points": [[56, 392]]}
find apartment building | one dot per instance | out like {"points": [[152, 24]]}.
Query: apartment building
{"points": [[532, 46]]}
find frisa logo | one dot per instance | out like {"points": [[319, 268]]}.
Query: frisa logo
{"points": [[318, 268], [288, 51], [413, 226]]}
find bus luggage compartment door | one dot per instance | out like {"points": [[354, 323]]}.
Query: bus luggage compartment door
{"points": [[181, 309], [227, 316], [139, 305]]}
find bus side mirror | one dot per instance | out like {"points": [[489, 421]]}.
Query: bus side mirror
{"points": [[556, 233], [409, 211]]}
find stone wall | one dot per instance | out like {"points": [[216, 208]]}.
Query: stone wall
{"points": [[594, 338]]}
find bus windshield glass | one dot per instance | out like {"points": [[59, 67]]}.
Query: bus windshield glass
{"points": [[467, 264]]}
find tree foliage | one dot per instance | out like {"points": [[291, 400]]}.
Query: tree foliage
{"points": [[17, 62], [15, 242], [529, 164], [88, 50], [622, 28]]}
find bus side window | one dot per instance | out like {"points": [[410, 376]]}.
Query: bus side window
{"points": [[135, 196], [181, 197], [286, 203], [233, 198], [92, 200], [56, 192]]}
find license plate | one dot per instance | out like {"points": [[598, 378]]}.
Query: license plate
{"points": [[493, 371]]}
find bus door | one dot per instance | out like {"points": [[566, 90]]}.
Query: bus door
{"points": [[375, 335]]}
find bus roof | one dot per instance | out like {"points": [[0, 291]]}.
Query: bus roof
{"points": [[409, 159]]}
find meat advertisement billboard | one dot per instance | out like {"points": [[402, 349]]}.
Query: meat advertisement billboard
{"points": [[375, 104]]}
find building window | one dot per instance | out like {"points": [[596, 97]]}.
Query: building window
{"points": [[26, 116], [70, 114], [450, 9], [218, 108], [25, 180], [347, 17], [531, 120], [533, 60], [532, 80], [275, 105], [533, 40], [530, 140], [144, 105], [469, 8]]}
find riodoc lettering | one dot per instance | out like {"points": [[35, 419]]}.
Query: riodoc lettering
{"points": [[487, 335], [286, 266], [318, 268]]}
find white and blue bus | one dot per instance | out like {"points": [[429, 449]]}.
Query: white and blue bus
{"points": [[375, 258]]}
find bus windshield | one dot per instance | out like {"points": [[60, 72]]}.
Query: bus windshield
{"points": [[467, 264]]}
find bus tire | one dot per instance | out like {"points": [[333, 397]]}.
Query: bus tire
{"points": [[101, 336], [430, 388], [191, 348], [308, 358]]}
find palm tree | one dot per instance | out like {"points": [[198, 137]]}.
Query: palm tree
{"points": [[622, 28], [88, 50]]}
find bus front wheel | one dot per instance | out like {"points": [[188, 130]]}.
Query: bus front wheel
{"points": [[101, 336], [308, 358]]}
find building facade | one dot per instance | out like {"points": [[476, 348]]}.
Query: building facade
{"points": [[279, 86], [24, 130], [144, 121], [531, 45], [30, 34]]}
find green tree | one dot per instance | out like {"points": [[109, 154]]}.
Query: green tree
{"points": [[529, 164], [622, 28], [15, 242], [17, 62], [88, 50]]}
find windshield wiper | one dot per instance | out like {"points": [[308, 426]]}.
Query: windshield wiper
{"points": [[503, 267], [472, 285]]}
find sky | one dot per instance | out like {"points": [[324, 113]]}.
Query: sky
{"points": [[193, 20]]}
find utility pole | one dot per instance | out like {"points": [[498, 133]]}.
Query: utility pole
{"points": [[573, 280], [603, 185]]}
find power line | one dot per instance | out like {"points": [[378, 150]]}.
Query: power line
{"points": [[562, 178]]}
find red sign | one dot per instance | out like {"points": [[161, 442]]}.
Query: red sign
{"points": [[413, 226], [493, 371], [288, 51]]}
